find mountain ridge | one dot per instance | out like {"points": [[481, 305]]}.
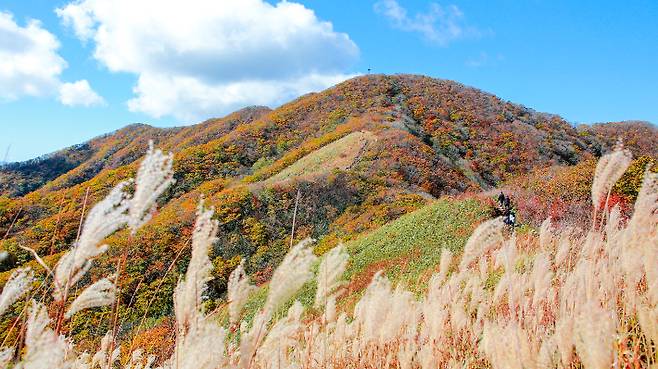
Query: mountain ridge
{"points": [[13, 170], [426, 139], [254, 107]]}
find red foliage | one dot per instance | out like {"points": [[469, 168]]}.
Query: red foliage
{"points": [[615, 199]]}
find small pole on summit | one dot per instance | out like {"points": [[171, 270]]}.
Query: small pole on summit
{"points": [[4, 161]]}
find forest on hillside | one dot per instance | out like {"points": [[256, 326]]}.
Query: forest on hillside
{"points": [[357, 227]]}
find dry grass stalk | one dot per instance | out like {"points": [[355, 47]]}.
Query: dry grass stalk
{"points": [[566, 298]]}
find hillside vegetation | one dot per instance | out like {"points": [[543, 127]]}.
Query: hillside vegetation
{"points": [[360, 155], [557, 297], [341, 154]]}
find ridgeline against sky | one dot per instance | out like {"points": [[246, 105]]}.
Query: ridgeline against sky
{"points": [[72, 70]]}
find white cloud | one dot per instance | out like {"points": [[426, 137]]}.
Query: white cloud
{"points": [[29, 63], [439, 24], [207, 57], [190, 98], [79, 93], [31, 66]]}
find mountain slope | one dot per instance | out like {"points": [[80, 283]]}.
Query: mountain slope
{"points": [[431, 137], [361, 154], [82, 162]]}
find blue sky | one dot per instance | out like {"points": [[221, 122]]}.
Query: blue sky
{"points": [[89, 68]]}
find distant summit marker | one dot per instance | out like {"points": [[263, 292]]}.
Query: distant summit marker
{"points": [[4, 160]]}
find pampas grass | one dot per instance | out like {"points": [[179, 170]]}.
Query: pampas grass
{"points": [[105, 357], [290, 276], [17, 285], [329, 274], [43, 347], [154, 176], [5, 357], [608, 171], [238, 291], [194, 329], [488, 235], [105, 218], [562, 298], [187, 296], [100, 293]]}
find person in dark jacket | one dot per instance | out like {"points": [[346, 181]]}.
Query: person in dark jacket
{"points": [[505, 208], [501, 199]]}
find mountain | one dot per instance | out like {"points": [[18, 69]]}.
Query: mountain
{"points": [[82, 162], [360, 155]]}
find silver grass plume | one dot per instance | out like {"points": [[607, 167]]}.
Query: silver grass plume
{"points": [[564, 338], [608, 171], [239, 289], [506, 346], [18, 284], [282, 337], [506, 256], [331, 270], [101, 293], [444, 265], [595, 335], [250, 338], [154, 176], [645, 214], [188, 293], [6, 354], [541, 278], [383, 313], [547, 357], [105, 218], [546, 235], [195, 330], [642, 232], [371, 309], [137, 360], [103, 358], [485, 236], [112, 213], [192, 350], [83, 361], [43, 347], [290, 276]]}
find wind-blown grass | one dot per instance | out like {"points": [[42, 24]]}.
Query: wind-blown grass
{"points": [[564, 298]]}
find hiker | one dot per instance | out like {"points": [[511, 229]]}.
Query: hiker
{"points": [[510, 219], [505, 208]]}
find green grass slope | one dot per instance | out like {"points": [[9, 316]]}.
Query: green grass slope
{"points": [[340, 154], [407, 250], [433, 138]]}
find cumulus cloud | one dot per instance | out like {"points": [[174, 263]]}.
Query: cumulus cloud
{"points": [[198, 58], [31, 66], [79, 93], [438, 24], [29, 63], [192, 98]]}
